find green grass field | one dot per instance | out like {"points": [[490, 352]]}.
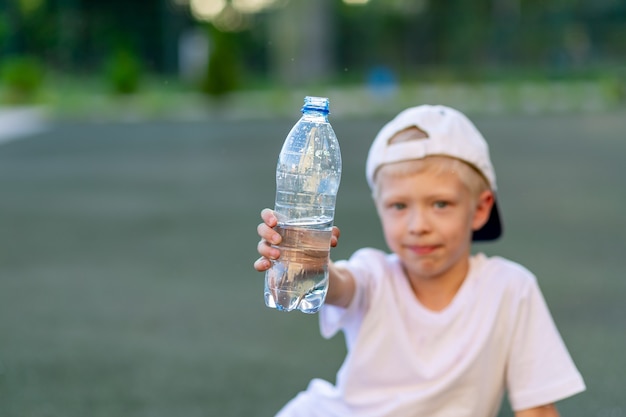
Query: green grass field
{"points": [[127, 286]]}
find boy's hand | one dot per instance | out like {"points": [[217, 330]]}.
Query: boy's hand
{"points": [[270, 237]]}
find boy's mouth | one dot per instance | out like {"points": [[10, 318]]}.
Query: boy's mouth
{"points": [[423, 250]]}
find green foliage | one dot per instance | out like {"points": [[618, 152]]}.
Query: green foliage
{"points": [[123, 72], [614, 88], [222, 75], [28, 7], [22, 78]]}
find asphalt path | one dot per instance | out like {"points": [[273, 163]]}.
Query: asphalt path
{"points": [[127, 248]]}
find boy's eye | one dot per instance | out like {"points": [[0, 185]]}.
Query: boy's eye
{"points": [[397, 206], [441, 204]]}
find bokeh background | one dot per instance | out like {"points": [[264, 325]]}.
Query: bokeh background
{"points": [[138, 143]]}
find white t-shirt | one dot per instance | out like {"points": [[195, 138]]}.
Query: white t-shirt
{"points": [[407, 361]]}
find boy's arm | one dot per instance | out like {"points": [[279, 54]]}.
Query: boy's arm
{"points": [[341, 285], [543, 411]]}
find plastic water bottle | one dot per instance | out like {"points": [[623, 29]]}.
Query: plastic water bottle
{"points": [[307, 179]]}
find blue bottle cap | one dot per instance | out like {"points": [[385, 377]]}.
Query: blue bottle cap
{"points": [[316, 103]]}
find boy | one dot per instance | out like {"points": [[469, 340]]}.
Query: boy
{"points": [[431, 330]]}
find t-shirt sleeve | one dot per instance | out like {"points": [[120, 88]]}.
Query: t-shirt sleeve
{"points": [[540, 369], [363, 266]]}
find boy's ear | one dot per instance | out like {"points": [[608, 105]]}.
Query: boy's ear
{"points": [[484, 204]]}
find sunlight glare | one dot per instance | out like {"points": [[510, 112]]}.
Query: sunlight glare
{"points": [[356, 2], [207, 9], [252, 6]]}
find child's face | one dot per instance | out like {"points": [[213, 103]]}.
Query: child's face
{"points": [[428, 218]]}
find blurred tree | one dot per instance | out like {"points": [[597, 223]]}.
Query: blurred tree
{"points": [[303, 48], [459, 33], [310, 41], [174, 20], [222, 74], [22, 77], [123, 72], [68, 18]]}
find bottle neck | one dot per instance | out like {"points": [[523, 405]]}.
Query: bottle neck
{"points": [[315, 115]]}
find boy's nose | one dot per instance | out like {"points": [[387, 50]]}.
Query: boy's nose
{"points": [[418, 222]]}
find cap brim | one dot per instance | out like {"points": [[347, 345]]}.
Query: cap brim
{"points": [[492, 230]]}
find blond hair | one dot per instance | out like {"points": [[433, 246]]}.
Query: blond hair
{"points": [[471, 178]]}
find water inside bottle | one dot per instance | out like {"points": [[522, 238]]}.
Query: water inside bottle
{"points": [[299, 278]]}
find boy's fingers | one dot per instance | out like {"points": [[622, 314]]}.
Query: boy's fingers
{"points": [[268, 234], [268, 237], [267, 251], [334, 239], [269, 217], [262, 230], [262, 264]]}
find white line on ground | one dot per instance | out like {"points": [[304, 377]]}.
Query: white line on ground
{"points": [[20, 122]]}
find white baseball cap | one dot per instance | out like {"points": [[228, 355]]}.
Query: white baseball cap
{"points": [[448, 132]]}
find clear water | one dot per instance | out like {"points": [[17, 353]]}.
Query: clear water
{"points": [[308, 173], [299, 278]]}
